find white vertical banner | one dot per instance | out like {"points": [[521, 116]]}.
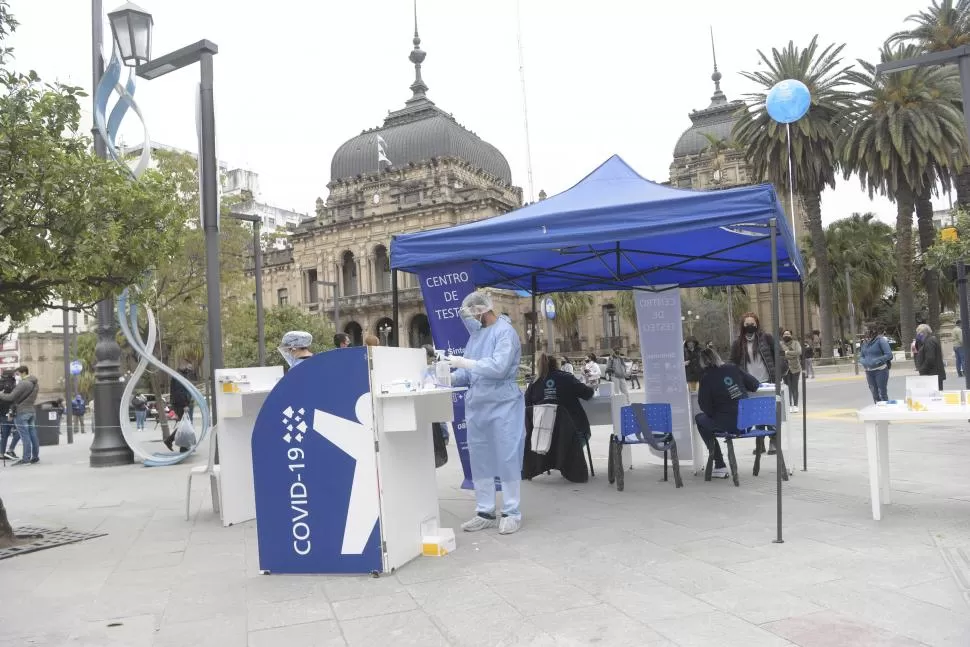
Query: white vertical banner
{"points": [[662, 350]]}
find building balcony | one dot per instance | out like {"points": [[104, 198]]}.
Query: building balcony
{"points": [[373, 300]]}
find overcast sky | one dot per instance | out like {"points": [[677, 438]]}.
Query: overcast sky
{"points": [[296, 78]]}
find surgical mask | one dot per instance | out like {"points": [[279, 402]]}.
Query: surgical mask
{"points": [[920, 337], [750, 329], [472, 324], [787, 337]]}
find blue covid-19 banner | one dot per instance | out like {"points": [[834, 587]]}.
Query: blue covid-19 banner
{"points": [[443, 290], [315, 469]]}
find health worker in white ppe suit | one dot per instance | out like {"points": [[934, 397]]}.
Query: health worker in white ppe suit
{"points": [[494, 412], [295, 347]]}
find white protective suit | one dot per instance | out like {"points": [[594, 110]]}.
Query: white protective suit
{"points": [[495, 414]]}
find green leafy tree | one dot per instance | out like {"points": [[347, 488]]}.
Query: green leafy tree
{"points": [[72, 227], [239, 328], [814, 139], [859, 244], [903, 138]]}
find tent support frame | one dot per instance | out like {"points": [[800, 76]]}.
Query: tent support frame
{"points": [[395, 308], [535, 327], [776, 318], [801, 316]]}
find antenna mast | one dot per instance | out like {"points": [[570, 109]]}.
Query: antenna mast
{"points": [[525, 103]]}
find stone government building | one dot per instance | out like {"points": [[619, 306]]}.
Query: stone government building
{"points": [[432, 172]]}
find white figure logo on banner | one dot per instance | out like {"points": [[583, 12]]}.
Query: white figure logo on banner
{"points": [[352, 439], [289, 417]]}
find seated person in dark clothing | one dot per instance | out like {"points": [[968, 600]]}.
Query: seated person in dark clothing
{"points": [[571, 432], [722, 385]]}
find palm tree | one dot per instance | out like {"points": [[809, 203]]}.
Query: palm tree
{"points": [[860, 244], [571, 307], [901, 141], [813, 141], [944, 25]]}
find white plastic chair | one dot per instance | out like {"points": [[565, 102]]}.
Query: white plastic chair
{"points": [[215, 477]]}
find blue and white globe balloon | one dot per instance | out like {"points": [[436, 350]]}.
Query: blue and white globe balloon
{"points": [[788, 101]]}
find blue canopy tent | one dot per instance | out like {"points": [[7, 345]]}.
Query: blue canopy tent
{"points": [[617, 230]]}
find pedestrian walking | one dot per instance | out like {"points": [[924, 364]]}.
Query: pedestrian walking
{"points": [[78, 409]]}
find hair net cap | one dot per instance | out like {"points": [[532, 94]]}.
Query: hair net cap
{"points": [[296, 339], [476, 303]]}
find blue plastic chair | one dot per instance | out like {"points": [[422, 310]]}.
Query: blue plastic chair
{"points": [[757, 418], [648, 424]]}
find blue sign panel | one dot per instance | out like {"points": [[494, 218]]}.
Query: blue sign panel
{"points": [[315, 469], [549, 307], [76, 367], [443, 290]]}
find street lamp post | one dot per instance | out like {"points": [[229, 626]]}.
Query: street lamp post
{"points": [[132, 27], [109, 448], [960, 56], [385, 331], [336, 304], [258, 269]]}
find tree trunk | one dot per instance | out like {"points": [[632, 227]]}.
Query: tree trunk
{"points": [[6, 532], [963, 188], [927, 236], [905, 202], [823, 268]]}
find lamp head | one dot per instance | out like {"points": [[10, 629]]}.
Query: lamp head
{"points": [[131, 27]]}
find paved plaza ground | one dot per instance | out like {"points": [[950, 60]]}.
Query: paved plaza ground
{"points": [[649, 566]]}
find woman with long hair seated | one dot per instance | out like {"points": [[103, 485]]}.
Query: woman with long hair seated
{"points": [[571, 431]]}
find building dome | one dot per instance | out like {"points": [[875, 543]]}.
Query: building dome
{"points": [[416, 133], [716, 120]]}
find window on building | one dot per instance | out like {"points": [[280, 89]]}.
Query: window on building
{"points": [[312, 289], [282, 297], [382, 270], [348, 270], [611, 321]]}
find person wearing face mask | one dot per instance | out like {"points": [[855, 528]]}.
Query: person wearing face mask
{"points": [[692, 362], [591, 371], [494, 412], [793, 358], [875, 357], [754, 353], [295, 347], [929, 358]]}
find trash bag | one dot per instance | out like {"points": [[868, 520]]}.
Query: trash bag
{"points": [[185, 432], [439, 435]]}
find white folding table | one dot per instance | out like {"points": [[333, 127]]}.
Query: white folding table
{"points": [[876, 419]]}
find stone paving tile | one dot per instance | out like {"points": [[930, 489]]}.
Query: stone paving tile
{"points": [[350, 587], [759, 604], [324, 633], [943, 593], [213, 631], [828, 628], [271, 615], [695, 577], [453, 596], [654, 602], [398, 629], [274, 588], [533, 598], [599, 624], [495, 624], [713, 629], [373, 606], [131, 631]]}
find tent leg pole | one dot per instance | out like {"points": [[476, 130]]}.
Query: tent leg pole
{"points": [[535, 326], [801, 315], [776, 317], [395, 307]]}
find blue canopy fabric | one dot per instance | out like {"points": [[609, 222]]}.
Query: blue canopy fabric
{"points": [[615, 230]]}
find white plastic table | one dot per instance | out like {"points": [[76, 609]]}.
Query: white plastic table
{"points": [[876, 419]]}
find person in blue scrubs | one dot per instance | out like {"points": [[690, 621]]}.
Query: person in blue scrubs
{"points": [[494, 412], [295, 347]]}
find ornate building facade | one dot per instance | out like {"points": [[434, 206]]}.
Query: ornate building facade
{"points": [[419, 170]]}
